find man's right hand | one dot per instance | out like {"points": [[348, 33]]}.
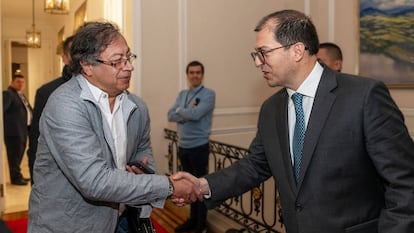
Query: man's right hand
{"points": [[188, 188]]}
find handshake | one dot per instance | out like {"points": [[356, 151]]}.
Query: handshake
{"points": [[188, 188]]}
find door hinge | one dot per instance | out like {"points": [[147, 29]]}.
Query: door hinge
{"points": [[1, 190]]}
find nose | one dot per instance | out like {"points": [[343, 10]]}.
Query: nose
{"points": [[257, 61], [128, 65]]}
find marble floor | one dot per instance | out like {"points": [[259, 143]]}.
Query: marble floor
{"points": [[16, 196]]}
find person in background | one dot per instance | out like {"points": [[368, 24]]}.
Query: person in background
{"points": [[17, 117], [90, 130], [42, 94], [193, 112], [335, 144], [331, 55], [3, 227]]}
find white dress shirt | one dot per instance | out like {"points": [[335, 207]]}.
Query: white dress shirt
{"points": [[308, 90], [115, 121]]}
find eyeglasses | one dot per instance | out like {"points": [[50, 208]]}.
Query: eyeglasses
{"points": [[120, 63], [261, 54]]}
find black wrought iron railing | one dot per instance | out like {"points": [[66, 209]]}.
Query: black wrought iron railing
{"points": [[257, 210]]}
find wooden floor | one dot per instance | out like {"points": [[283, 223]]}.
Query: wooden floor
{"points": [[17, 203], [169, 217], [14, 216]]}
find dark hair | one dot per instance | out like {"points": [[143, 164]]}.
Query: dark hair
{"points": [[334, 51], [17, 76], [66, 44], [195, 63], [89, 41], [289, 27]]}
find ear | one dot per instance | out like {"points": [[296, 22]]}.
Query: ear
{"points": [[87, 68], [338, 65], [299, 50]]}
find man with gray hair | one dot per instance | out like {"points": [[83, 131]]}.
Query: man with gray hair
{"points": [[90, 130]]}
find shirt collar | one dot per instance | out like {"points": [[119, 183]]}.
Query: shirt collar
{"points": [[98, 94], [310, 84], [196, 88]]}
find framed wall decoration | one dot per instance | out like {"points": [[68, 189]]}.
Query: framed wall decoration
{"points": [[387, 41], [60, 40], [80, 16]]}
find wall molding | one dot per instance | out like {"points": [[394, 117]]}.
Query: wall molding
{"points": [[236, 111], [407, 112], [182, 44], [137, 46], [243, 129], [331, 22], [234, 130]]}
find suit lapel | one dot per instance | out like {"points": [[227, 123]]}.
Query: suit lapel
{"points": [[322, 104], [283, 133]]}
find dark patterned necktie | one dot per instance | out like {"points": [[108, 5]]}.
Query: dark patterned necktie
{"points": [[28, 109], [298, 135]]}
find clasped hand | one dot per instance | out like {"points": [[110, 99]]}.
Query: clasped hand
{"points": [[188, 188]]}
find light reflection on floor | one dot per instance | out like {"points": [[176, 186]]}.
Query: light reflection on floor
{"points": [[16, 196]]}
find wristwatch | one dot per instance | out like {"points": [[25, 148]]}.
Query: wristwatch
{"points": [[170, 188]]}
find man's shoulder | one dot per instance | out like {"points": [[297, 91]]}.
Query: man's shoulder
{"points": [[209, 90], [136, 99], [10, 90], [51, 86], [355, 82], [276, 99], [10, 93]]}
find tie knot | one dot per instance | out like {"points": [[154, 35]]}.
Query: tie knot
{"points": [[297, 98]]}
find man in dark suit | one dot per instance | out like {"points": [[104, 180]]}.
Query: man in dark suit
{"points": [[349, 167], [42, 95], [330, 54], [17, 115]]}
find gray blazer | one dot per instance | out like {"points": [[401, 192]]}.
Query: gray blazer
{"points": [[358, 161], [77, 186]]}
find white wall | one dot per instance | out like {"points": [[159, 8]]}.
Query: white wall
{"points": [[168, 34], [220, 34]]}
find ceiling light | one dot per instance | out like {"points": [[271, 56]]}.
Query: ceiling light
{"points": [[33, 36], [57, 6]]}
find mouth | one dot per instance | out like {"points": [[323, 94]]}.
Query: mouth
{"points": [[265, 74], [124, 78]]}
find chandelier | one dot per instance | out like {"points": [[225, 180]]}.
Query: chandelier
{"points": [[57, 6], [33, 36]]}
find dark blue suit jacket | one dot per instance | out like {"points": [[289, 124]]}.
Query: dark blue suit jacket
{"points": [[357, 167], [14, 114]]}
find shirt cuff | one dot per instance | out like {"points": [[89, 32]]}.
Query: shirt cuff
{"points": [[205, 188]]}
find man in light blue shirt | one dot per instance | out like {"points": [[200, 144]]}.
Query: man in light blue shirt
{"points": [[193, 112]]}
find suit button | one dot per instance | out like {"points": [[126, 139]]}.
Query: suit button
{"points": [[298, 207]]}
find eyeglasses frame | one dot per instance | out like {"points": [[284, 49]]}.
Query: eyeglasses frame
{"points": [[123, 61], [263, 53]]}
